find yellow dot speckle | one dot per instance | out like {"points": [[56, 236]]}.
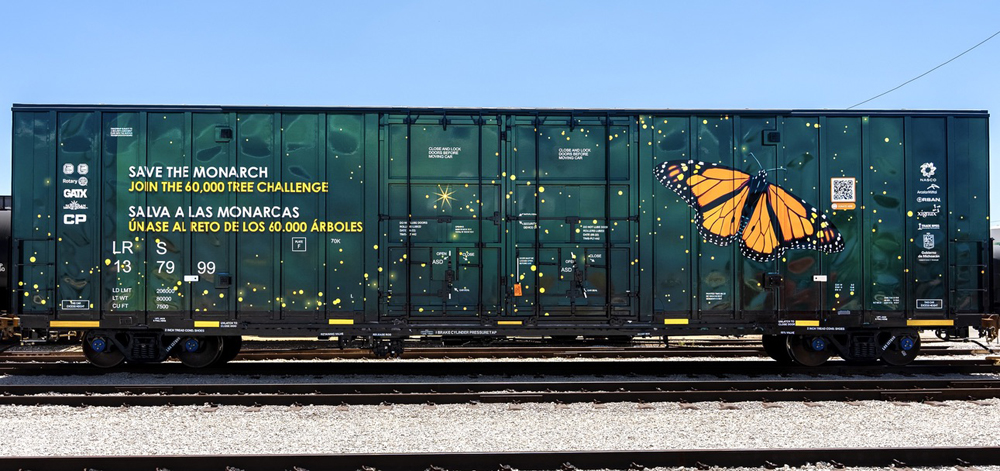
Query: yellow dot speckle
{"points": [[541, 290], [375, 246]]}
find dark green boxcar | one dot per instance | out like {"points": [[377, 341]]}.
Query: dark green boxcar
{"points": [[826, 231]]}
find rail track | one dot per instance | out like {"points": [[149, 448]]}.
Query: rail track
{"points": [[519, 367], [959, 457], [261, 354], [476, 392]]}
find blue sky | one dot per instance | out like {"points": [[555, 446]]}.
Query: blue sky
{"points": [[577, 54]]}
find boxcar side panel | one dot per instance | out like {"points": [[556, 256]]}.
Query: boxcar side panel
{"points": [[883, 214], [78, 215], [968, 194], [840, 184]]}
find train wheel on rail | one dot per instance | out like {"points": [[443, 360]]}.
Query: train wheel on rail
{"points": [[774, 346], [808, 350], [199, 352], [230, 348], [101, 351], [900, 348]]}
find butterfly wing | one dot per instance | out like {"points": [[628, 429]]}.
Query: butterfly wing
{"points": [[780, 221], [759, 240], [718, 195]]}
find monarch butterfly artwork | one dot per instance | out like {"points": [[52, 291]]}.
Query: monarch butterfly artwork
{"points": [[766, 218]]}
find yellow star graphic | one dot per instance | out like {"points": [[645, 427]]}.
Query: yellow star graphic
{"points": [[445, 196]]}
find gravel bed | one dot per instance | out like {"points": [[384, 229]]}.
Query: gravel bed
{"points": [[57, 430]]}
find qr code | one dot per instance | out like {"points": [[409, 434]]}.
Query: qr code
{"points": [[843, 190]]}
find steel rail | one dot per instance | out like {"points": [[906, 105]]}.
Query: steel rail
{"points": [[511, 367], [439, 353], [631, 459], [901, 390], [472, 353]]}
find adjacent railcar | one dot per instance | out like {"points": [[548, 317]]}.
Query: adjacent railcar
{"points": [[174, 230]]}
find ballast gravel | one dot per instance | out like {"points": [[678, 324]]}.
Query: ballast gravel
{"points": [[57, 430]]}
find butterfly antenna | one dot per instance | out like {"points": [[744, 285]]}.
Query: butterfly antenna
{"points": [[778, 168], [755, 158]]}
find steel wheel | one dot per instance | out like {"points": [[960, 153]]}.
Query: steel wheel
{"points": [[230, 348], [774, 346], [101, 352], [199, 352], [808, 350], [903, 348]]}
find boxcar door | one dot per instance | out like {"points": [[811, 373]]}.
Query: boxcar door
{"points": [[572, 226], [440, 216]]}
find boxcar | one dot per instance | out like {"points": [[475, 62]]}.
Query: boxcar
{"points": [[174, 230]]}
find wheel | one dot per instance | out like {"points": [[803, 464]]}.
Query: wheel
{"points": [[774, 346], [101, 352], [903, 348], [808, 350], [199, 352], [230, 348]]}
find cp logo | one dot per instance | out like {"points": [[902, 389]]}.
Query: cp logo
{"points": [[74, 218]]}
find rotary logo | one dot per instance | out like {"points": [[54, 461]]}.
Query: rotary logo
{"points": [[927, 169]]}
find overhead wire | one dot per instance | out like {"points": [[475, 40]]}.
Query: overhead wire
{"points": [[925, 73]]}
